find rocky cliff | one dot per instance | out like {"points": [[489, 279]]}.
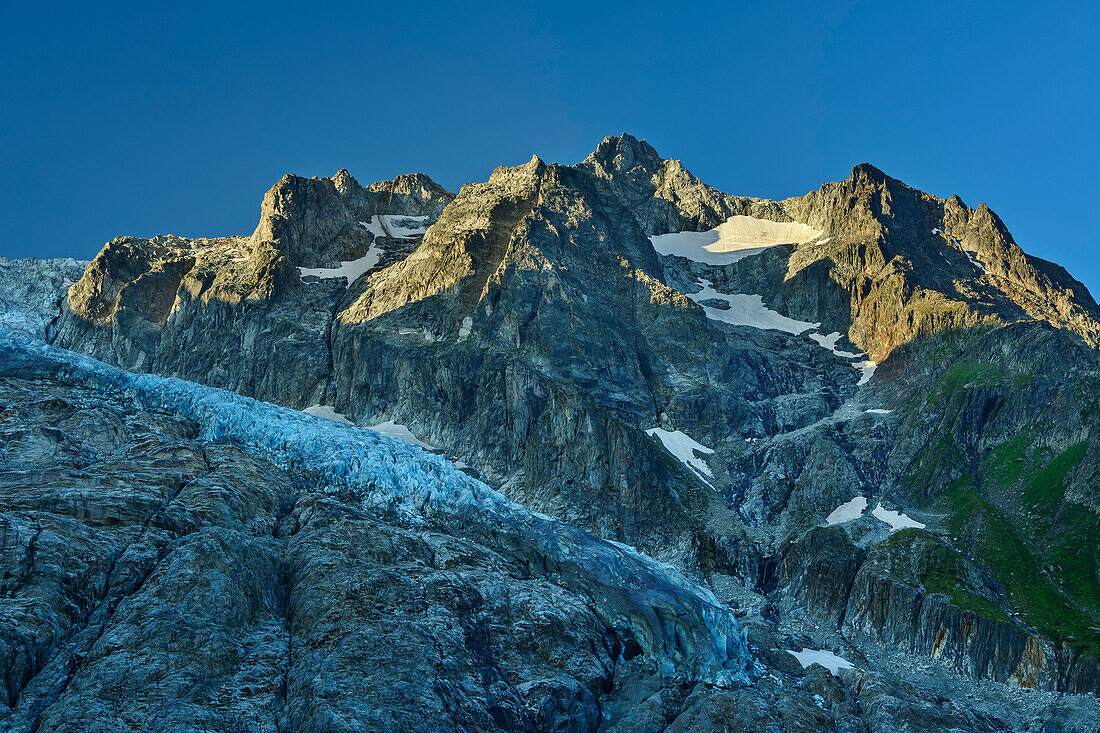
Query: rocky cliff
{"points": [[180, 558]]}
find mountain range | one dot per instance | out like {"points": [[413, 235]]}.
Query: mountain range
{"points": [[591, 447]]}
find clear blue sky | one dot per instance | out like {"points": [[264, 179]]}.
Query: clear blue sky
{"points": [[141, 119]]}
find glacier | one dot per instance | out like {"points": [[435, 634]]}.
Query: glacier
{"points": [[31, 291], [684, 631]]}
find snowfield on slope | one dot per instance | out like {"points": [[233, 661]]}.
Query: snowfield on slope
{"points": [[739, 237], [848, 511], [747, 310], [682, 446], [734, 239], [825, 658], [896, 520], [350, 270], [396, 226], [829, 342], [380, 225]]}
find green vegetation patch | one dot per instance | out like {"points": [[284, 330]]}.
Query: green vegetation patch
{"points": [[1010, 514], [1053, 600], [964, 374], [940, 569]]}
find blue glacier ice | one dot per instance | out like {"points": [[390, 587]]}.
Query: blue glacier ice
{"points": [[682, 628]]}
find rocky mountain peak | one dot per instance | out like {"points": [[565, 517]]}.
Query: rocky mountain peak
{"points": [[912, 263], [624, 153], [868, 172], [318, 222], [344, 181], [527, 171], [464, 248], [414, 184], [662, 194]]}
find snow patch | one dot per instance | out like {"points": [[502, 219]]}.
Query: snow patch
{"points": [[684, 448], [747, 310], [465, 328], [399, 431], [396, 226], [328, 412], [974, 261], [969, 255], [896, 520], [736, 238], [350, 270], [848, 511], [867, 370], [825, 658], [866, 367], [392, 226], [877, 411], [829, 342]]}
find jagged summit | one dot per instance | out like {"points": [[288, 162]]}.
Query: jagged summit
{"points": [[906, 262], [344, 181], [534, 168], [912, 263], [869, 172], [621, 153], [413, 184]]}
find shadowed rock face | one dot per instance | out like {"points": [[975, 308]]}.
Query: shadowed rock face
{"points": [[314, 222], [237, 521], [164, 571], [529, 328], [517, 335]]}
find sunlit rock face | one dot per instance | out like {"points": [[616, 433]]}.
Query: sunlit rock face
{"points": [[266, 301], [862, 419]]}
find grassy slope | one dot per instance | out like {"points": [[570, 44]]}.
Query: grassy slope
{"points": [[1014, 520]]}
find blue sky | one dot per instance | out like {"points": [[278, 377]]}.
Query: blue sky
{"points": [[144, 119]]}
